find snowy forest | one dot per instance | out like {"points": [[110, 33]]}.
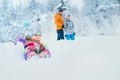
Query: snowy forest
{"points": [[91, 17]]}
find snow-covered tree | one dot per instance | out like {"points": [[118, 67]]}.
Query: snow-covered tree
{"points": [[97, 17]]}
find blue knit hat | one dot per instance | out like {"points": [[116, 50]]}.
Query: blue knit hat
{"points": [[26, 24]]}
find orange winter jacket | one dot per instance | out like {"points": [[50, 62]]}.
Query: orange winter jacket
{"points": [[59, 21]]}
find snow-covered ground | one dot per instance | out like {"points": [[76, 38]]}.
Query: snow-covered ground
{"points": [[86, 58]]}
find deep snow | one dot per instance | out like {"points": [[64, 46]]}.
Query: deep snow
{"points": [[86, 58]]}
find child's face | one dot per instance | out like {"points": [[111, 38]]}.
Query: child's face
{"points": [[68, 18], [36, 38], [61, 12]]}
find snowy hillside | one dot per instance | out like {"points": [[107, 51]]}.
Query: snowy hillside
{"points": [[86, 58]]}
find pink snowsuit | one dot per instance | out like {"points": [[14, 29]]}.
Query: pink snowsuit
{"points": [[33, 49]]}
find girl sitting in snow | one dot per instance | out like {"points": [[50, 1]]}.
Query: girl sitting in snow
{"points": [[34, 47]]}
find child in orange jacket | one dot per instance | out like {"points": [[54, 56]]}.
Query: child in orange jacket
{"points": [[59, 21]]}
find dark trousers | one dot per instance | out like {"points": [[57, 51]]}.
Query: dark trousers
{"points": [[60, 34]]}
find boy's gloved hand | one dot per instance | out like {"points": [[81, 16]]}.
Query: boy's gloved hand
{"points": [[74, 33], [63, 26]]}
